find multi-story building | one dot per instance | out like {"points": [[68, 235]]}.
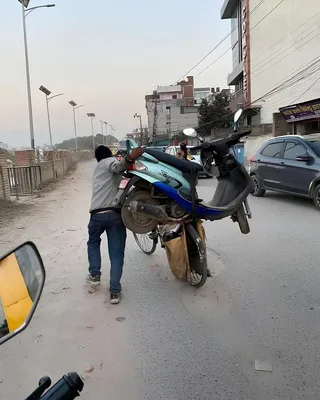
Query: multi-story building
{"points": [[171, 109], [275, 53]]}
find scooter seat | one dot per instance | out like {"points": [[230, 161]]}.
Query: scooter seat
{"points": [[181, 165]]}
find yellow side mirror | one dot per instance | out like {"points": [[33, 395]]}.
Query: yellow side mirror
{"points": [[22, 277]]}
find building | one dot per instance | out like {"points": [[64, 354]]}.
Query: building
{"points": [[4, 146], [171, 109], [275, 53]]}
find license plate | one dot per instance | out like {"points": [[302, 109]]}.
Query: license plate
{"points": [[124, 182]]}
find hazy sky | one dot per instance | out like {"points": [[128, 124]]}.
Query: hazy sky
{"points": [[104, 54]]}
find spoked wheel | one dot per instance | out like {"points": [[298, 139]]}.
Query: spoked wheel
{"points": [[197, 257], [147, 241]]}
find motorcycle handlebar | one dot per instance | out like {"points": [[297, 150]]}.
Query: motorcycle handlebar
{"points": [[67, 388], [229, 141]]}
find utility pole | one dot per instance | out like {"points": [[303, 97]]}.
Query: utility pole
{"points": [[155, 117], [141, 130]]}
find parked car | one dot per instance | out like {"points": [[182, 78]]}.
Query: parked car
{"points": [[289, 164], [194, 156]]}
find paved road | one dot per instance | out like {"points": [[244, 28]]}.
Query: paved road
{"points": [[171, 341]]}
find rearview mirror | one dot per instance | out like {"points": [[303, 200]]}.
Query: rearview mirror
{"points": [[305, 158], [22, 278], [237, 115], [190, 132]]}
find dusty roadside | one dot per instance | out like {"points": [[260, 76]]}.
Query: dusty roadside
{"points": [[72, 330]]}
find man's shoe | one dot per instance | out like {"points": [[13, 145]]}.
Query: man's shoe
{"points": [[115, 298], [93, 280]]}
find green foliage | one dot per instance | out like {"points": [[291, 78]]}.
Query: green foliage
{"points": [[214, 115]]}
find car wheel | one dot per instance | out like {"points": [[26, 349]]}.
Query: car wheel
{"points": [[257, 191], [316, 197]]}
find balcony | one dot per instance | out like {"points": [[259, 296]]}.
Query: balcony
{"points": [[228, 8], [236, 100]]}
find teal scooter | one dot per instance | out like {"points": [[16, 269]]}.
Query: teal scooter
{"points": [[159, 189]]}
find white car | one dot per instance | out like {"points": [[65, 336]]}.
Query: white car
{"points": [[193, 156]]}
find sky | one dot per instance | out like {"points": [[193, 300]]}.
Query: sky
{"points": [[105, 55]]}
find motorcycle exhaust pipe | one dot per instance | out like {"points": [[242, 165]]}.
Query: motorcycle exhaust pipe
{"points": [[148, 210]]}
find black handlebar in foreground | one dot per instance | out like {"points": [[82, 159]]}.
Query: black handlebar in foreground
{"points": [[228, 141], [67, 388]]}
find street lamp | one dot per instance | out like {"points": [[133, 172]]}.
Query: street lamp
{"points": [[141, 134], [25, 12], [106, 124], [47, 92], [92, 116], [74, 107]]}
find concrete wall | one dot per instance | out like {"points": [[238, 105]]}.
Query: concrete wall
{"points": [[281, 45], [4, 179]]}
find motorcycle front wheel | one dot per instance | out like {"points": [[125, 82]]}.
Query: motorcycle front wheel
{"points": [[197, 257]]}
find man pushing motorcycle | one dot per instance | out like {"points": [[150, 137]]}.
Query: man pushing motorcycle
{"points": [[105, 218]]}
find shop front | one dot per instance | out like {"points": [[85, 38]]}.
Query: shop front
{"points": [[304, 118]]}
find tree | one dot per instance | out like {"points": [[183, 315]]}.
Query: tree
{"points": [[216, 114], [85, 142]]}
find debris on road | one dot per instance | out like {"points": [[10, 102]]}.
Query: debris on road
{"points": [[263, 366], [120, 319], [89, 368]]}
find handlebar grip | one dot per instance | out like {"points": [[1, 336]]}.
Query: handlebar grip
{"points": [[67, 388]]}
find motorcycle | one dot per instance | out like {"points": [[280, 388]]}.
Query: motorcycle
{"points": [[160, 189], [22, 278]]}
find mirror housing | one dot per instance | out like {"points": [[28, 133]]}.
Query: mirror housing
{"points": [[305, 157], [190, 132], [22, 277], [237, 115]]}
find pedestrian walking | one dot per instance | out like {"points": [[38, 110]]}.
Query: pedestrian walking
{"points": [[104, 218]]}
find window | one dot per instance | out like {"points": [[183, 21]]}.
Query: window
{"points": [[292, 150], [315, 147], [272, 150], [174, 96]]}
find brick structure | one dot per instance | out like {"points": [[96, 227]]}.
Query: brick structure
{"points": [[4, 179], [24, 158]]}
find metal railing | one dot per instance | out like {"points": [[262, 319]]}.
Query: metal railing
{"points": [[24, 180]]}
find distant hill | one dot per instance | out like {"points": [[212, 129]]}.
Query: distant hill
{"points": [[85, 142]]}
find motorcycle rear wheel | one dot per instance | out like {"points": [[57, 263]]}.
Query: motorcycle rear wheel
{"points": [[197, 257], [134, 222]]}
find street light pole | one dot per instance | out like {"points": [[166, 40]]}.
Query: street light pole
{"points": [[92, 116], [74, 107], [47, 93], [25, 12], [141, 133]]}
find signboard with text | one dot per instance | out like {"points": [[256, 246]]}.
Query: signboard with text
{"points": [[301, 112], [24, 2]]}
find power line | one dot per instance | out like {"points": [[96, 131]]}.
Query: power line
{"points": [[297, 76], [217, 59], [280, 50], [286, 55], [306, 91], [279, 41], [219, 44], [267, 15]]}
